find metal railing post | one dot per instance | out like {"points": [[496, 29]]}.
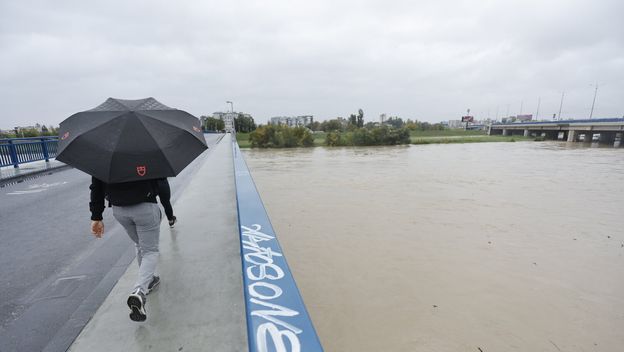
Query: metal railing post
{"points": [[13, 154], [44, 147]]}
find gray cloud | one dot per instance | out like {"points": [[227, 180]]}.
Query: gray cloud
{"points": [[425, 60]]}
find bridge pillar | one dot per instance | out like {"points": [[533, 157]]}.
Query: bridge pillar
{"points": [[572, 136], [552, 135], [505, 132], [526, 132], [607, 137], [618, 140], [588, 137]]}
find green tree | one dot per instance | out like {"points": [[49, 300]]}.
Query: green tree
{"points": [[353, 120], [213, 124], [281, 136], [333, 139], [360, 118], [244, 123], [332, 125], [383, 135], [314, 126], [395, 122]]}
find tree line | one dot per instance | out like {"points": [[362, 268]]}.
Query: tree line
{"points": [[357, 121], [242, 123], [30, 132]]}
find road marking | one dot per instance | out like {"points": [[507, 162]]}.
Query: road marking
{"points": [[36, 188]]}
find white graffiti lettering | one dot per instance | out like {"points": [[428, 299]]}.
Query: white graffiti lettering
{"points": [[276, 310], [261, 266], [264, 253], [277, 337], [255, 233], [276, 290], [262, 272]]}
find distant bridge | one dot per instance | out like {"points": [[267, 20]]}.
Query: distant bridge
{"points": [[610, 131]]}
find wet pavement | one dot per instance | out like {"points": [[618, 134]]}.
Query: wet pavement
{"points": [[10, 174]]}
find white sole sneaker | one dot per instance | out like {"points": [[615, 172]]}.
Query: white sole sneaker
{"points": [[137, 306]]}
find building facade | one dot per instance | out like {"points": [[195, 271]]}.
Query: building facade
{"points": [[292, 121], [228, 120]]}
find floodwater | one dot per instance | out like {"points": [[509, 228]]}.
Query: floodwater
{"points": [[457, 247]]}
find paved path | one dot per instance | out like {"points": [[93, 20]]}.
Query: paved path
{"points": [[199, 305]]}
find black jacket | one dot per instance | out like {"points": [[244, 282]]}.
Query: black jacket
{"points": [[120, 194]]}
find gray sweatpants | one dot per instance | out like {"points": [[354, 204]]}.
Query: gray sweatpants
{"points": [[142, 223]]}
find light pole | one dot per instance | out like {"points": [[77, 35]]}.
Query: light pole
{"points": [[231, 105], [593, 102], [539, 100], [561, 105]]}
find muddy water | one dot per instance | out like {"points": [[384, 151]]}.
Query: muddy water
{"points": [[493, 246]]}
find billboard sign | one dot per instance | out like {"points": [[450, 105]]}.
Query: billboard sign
{"points": [[467, 118]]}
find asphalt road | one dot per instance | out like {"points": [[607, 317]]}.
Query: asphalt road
{"points": [[53, 273]]}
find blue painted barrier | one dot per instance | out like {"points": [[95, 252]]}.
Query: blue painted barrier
{"points": [[15, 151], [277, 319]]}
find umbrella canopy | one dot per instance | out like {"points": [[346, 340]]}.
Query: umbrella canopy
{"points": [[130, 140]]}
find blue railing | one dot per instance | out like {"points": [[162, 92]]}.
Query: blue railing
{"points": [[15, 151]]}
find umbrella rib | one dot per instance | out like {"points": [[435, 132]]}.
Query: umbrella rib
{"points": [[110, 169], [155, 140]]}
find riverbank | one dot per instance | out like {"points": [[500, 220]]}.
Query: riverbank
{"points": [[419, 137]]}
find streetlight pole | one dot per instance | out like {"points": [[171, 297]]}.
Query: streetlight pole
{"points": [[593, 102], [231, 105], [539, 100], [561, 105]]}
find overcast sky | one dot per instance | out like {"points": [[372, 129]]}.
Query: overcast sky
{"points": [[425, 60]]}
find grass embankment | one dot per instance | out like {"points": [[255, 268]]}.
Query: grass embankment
{"points": [[460, 136], [243, 140], [467, 139], [448, 132]]}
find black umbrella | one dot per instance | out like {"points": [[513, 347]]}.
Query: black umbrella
{"points": [[130, 140]]}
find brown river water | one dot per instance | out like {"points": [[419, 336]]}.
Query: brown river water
{"points": [[456, 247]]}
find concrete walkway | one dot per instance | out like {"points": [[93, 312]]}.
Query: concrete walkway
{"points": [[199, 305]]}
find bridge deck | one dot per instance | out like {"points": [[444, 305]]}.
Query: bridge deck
{"points": [[199, 305]]}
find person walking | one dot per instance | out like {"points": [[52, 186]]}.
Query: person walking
{"points": [[135, 208], [164, 193], [126, 146]]}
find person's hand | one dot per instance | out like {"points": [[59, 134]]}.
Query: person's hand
{"points": [[97, 228]]}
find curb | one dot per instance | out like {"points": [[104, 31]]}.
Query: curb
{"points": [[20, 178]]}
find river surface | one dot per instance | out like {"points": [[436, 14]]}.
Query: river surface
{"points": [[456, 247]]}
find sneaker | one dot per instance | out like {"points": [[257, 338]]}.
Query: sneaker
{"points": [[173, 221], [136, 302], [153, 284]]}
